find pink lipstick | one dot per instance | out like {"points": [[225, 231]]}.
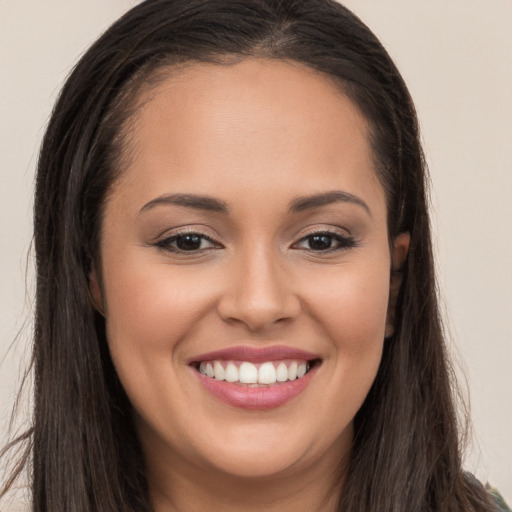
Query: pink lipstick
{"points": [[256, 378]]}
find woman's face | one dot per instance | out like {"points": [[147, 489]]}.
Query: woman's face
{"points": [[244, 244]]}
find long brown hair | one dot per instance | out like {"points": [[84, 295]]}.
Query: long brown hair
{"points": [[85, 453]]}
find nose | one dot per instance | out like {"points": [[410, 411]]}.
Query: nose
{"points": [[259, 292]]}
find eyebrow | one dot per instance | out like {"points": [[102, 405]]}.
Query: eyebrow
{"points": [[318, 200], [212, 204], [190, 201]]}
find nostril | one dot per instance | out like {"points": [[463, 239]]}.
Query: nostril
{"points": [[258, 293], [258, 315]]}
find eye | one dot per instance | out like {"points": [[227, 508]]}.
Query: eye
{"points": [[325, 242], [187, 242]]}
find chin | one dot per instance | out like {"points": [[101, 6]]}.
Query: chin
{"points": [[270, 451], [258, 462]]}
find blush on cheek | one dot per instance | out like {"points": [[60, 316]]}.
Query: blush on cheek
{"points": [[151, 308], [355, 312]]}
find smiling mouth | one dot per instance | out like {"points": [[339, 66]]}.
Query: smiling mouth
{"points": [[249, 374], [256, 378]]}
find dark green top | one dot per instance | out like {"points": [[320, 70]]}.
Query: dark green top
{"points": [[498, 498]]}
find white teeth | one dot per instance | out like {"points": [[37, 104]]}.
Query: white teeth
{"points": [[248, 373], [292, 371], [231, 373], [220, 373], [244, 372], [267, 374], [282, 373]]}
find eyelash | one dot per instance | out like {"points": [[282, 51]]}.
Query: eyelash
{"points": [[166, 243], [343, 242]]}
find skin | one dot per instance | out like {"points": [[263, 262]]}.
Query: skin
{"points": [[255, 135]]}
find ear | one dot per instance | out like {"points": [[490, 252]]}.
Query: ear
{"points": [[95, 292], [398, 257]]}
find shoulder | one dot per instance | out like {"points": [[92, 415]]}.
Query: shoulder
{"points": [[498, 499]]}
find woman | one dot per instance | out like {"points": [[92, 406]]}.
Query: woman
{"points": [[236, 302]]}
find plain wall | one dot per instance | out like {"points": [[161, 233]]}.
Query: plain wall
{"points": [[455, 56]]}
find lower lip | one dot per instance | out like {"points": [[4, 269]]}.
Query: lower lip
{"points": [[256, 398]]}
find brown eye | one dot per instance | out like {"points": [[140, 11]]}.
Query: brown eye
{"points": [[320, 242], [190, 242], [325, 242], [187, 242]]}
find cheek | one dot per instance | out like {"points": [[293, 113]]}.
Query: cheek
{"points": [[152, 310], [351, 305], [351, 308], [152, 306]]}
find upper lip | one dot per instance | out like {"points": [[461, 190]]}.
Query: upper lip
{"points": [[255, 354]]}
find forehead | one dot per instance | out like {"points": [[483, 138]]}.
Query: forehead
{"points": [[201, 124]]}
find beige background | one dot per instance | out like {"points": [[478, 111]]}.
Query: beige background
{"points": [[456, 57]]}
